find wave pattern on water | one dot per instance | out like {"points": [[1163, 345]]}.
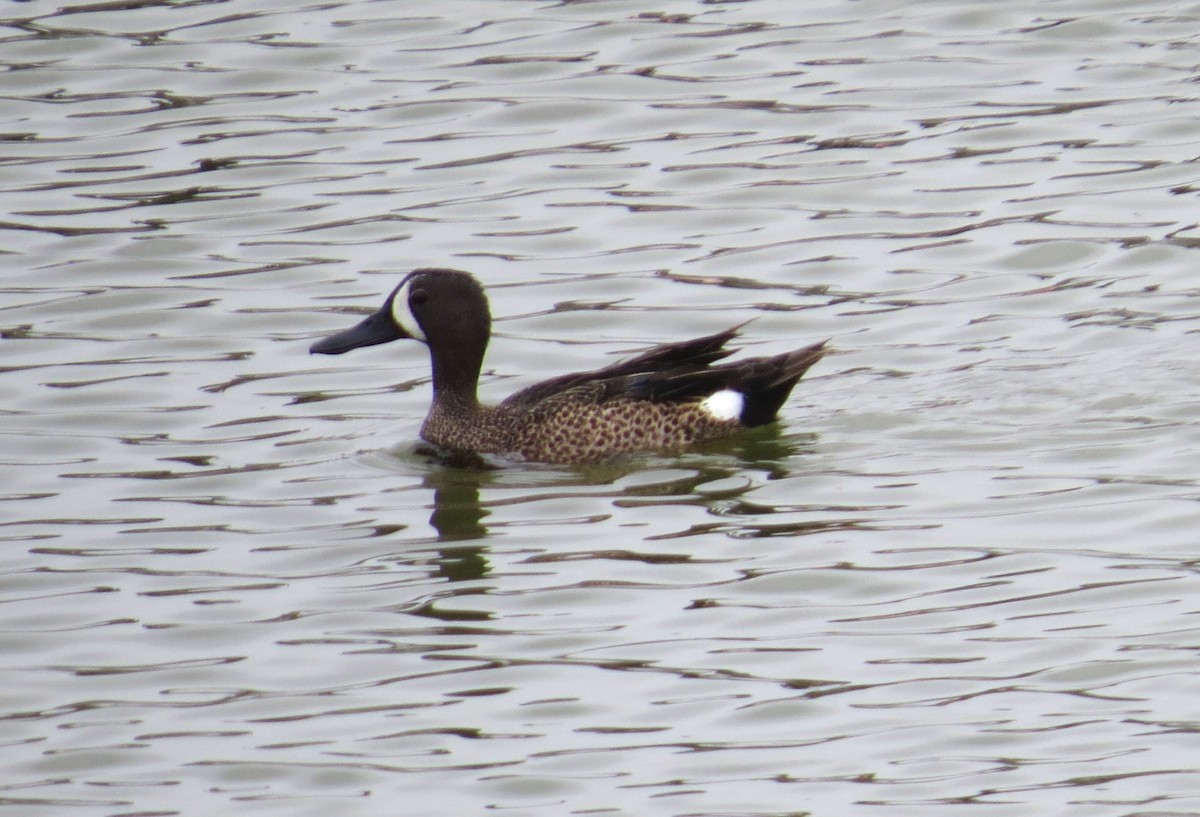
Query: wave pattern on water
{"points": [[959, 574]]}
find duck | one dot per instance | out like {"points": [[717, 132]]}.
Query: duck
{"points": [[665, 399]]}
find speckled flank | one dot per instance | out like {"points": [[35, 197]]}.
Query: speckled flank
{"points": [[588, 432], [576, 431]]}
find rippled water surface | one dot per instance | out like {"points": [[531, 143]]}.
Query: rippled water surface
{"points": [[960, 573]]}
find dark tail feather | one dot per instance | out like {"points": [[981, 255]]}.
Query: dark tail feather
{"points": [[766, 382], [696, 353]]}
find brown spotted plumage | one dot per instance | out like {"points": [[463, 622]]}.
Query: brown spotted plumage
{"points": [[663, 399]]}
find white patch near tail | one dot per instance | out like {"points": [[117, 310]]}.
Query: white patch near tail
{"points": [[402, 313], [724, 405]]}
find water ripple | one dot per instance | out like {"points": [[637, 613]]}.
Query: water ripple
{"points": [[957, 574]]}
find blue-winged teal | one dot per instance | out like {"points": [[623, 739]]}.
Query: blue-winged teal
{"points": [[663, 399]]}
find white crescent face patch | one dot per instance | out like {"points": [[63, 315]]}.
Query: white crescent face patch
{"points": [[402, 313], [725, 404]]}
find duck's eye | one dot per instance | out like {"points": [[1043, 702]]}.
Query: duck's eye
{"points": [[418, 297]]}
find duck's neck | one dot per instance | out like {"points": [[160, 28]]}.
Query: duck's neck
{"points": [[456, 379]]}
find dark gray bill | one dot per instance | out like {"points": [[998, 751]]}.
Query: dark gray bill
{"points": [[376, 329]]}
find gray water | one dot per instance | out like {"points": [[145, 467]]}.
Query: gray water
{"points": [[958, 578]]}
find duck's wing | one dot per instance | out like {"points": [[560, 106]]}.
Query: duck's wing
{"points": [[683, 356], [761, 383]]}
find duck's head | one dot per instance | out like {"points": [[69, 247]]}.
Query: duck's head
{"points": [[439, 307], [443, 308]]}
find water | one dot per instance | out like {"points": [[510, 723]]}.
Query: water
{"points": [[961, 573]]}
